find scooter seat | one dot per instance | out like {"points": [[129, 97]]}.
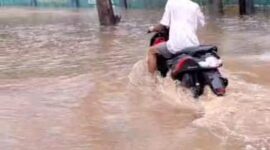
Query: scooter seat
{"points": [[191, 51]]}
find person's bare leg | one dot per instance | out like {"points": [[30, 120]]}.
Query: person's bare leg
{"points": [[152, 60]]}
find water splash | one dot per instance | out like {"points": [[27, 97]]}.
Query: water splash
{"points": [[238, 116]]}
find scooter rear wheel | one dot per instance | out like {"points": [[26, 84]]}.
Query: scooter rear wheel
{"points": [[193, 83]]}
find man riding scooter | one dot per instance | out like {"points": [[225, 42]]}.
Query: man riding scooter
{"points": [[182, 17], [180, 53]]}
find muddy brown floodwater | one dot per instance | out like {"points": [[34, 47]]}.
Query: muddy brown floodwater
{"points": [[68, 84]]}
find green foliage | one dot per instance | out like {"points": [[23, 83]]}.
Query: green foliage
{"points": [[45, 3], [161, 3], [14, 2], [53, 3]]}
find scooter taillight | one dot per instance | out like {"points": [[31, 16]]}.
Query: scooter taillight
{"points": [[220, 92]]}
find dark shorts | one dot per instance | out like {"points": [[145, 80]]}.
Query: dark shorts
{"points": [[163, 50]]}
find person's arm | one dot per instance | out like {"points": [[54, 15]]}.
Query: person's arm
{"points": [[157, 28], [166, 18], [201, 18]]}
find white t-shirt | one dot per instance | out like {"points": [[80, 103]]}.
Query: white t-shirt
{"points": [[183, 17]]}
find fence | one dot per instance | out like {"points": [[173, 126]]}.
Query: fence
{"points": [[48, 3], [91, 3]]}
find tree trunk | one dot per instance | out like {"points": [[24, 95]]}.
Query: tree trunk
{"points": [[77, 3], [125, 4], [216, 7], [246, 7], [34, 3], [105, 12]]}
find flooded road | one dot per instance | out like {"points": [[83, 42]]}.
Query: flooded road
{"points": [[68, 84]]}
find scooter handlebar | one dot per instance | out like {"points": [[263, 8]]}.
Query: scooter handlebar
{"points": [[151, 29]]}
